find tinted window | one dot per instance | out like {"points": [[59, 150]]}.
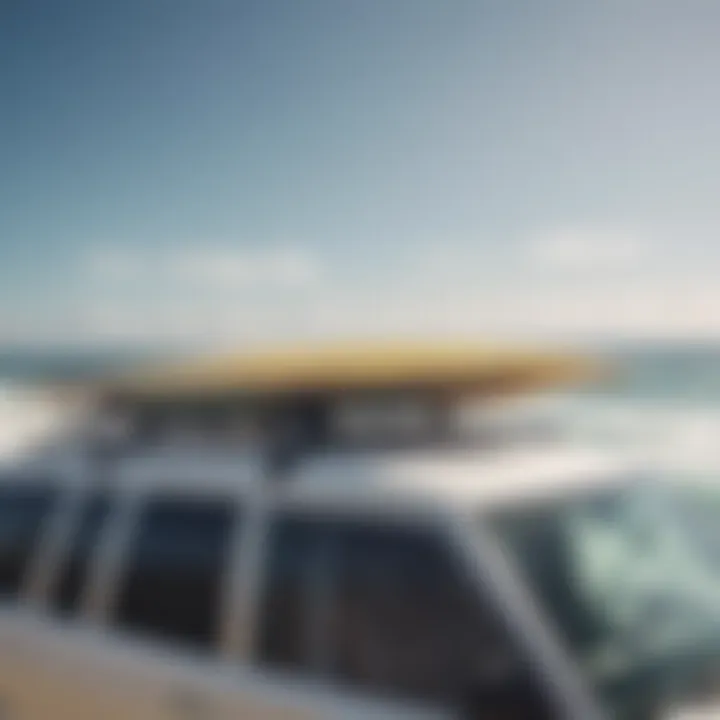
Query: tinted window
{"points": [[172, 584], [384, 608], [405, 615], [73, 576], [23, 511]]}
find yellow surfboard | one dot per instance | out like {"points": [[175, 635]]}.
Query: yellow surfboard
{"points": [[456, 370]]}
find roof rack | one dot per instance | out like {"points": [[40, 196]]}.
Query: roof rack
{"points": [[287, 397]]}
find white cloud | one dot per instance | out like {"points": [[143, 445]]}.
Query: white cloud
{"points": [[582, 249], [673, 308], [201, 267], [280, 267], [192, 292], [220, 295]]}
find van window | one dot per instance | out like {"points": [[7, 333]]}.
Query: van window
{"points": [[23, 512], [380, 607], [405, 615], [287, 611], [72, 579], [171, 587]]}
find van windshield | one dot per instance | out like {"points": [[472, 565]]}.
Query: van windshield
{"points": [[621, 575]]}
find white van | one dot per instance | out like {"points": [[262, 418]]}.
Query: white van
{"points": [[446, 580], [396, 584]]}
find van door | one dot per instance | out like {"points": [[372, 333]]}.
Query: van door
{"points": [[162, 657], [368, 618], [166, 615]]}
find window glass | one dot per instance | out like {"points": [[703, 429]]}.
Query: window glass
{"points": [[403, 612], [625, 577], [382, 608], [172, 583], [74, 572], [287, 607], [23, 511]]}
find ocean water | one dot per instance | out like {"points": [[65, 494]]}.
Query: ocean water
{"points": [[666, 374], [662, 399], [29, 414], [32, 367]]}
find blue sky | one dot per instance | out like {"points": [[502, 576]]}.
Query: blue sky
{"points": [[228, 171]]}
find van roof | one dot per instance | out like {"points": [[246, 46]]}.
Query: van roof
{"points": [[449, 479], [457, 478]]}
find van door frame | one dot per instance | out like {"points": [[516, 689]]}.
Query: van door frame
{"points": [[491, 574], [323, 694], [532, 632], [232, 667]]}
